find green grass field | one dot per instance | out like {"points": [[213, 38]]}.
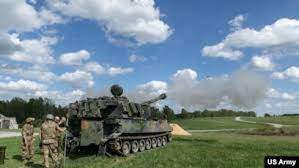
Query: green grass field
{"points": [[199, 150], [211, 149], [214, 123], [294, 120]]}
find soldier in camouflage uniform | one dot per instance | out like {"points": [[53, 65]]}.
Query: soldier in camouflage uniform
{"points": [[59, 137], [28, 140], [49, 131]]}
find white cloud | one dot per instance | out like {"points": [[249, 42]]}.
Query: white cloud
{"points": [[220, 50], [138, 19], [291, 73], [105, 70], [153, 88], [237, 22], [288, 96], [37, 51], [78, 79], [94, 67], [22, 86], [278, 75], [147, 91], [137, 58], [8, 45], [273, 93], [185, 75], [21, 16], [61, 97], [49, 18], [74, 58], [119, 71], [32, 73], [262, 62], [281, 36]]}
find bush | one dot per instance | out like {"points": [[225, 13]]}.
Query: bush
{"points": [[271, 131]]}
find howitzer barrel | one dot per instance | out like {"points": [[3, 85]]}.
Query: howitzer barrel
{"points": [[160, 97]]}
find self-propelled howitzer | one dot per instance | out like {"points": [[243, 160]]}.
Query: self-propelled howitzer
{"points": [[116, 125]]}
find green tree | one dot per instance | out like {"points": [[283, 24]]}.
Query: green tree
{"points": [[168, 113]]}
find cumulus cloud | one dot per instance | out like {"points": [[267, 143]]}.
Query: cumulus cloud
{"points": [[262, 62], [281, 36], [291, 73], [137, 58], [74, 58], [153, 87], [21, 16], [137, 19], [78, 79], [37, 51], [22, 86], [8, 45], [147, 91], [105, 69], [95, 67], [220, 50], [119, 71], [273, 93], [33, 73], [237, 22], [59, 97]]}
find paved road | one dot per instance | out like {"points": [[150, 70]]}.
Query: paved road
{"points": [[7, 134], [253, 122]]}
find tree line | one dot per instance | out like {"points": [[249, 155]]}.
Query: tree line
{"points": [[39, 107], [34, 107], [184, 114]]}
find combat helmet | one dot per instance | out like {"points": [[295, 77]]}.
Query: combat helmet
{"points": [[29, 119], [49, 117]]}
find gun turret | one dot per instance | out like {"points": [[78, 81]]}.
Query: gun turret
{"points": [[160, 97]]}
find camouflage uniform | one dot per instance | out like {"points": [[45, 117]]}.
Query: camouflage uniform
{"points": [[49, 131], [59, 137], [28, 140]]}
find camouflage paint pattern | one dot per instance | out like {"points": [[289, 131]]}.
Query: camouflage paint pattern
{"points": [[91, 132], [96, 120]]}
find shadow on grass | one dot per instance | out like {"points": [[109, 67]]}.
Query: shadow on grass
{"points": [[29, 164], [83, 152], [34, 165], [17, 157]]}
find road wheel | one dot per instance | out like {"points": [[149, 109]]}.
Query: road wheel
{"points": [[164, 141], [148, 144], [141, 145], [154, 142], [134, 146], [125, 148], [159, 141]]}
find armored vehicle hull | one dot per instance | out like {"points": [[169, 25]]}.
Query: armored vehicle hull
{"points": [[116, 126]]}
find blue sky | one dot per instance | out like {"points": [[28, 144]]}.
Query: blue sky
{"points": [[68, 50]]}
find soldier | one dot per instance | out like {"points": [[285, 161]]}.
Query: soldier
{"points": [[59, 139], [28, 140], [57, 119], [49, 131]]}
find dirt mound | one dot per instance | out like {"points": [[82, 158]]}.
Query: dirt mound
{"points": [[178, 130]]}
